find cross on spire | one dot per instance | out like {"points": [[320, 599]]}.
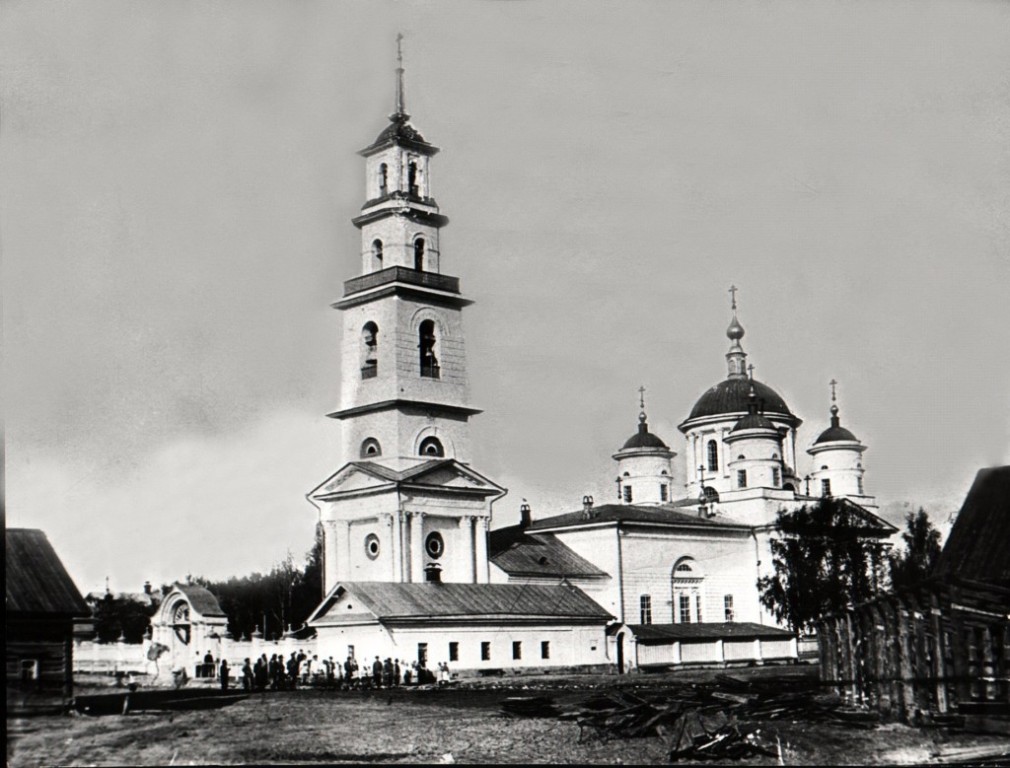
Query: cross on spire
{"points": [[641, 397], [833, 384], [750, 370], [732, 291]]}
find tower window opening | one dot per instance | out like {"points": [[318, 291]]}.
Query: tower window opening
{"points": [[383, 179], [859, 485], [419, 254], [775, 477], [727, 604], [370, 447], [825, 487], [412, 179], [713, 456], [627, 494], [664, 492], [376, 255], [369, 350], [645, 609], [426, 345], [431, 446], [741, 478]]}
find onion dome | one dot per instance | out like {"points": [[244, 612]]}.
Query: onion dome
{"points": [[735, 331], [643, 438]]}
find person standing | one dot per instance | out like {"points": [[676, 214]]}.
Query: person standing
{"points": [[377, 672], [224, 672], [247, 676]]}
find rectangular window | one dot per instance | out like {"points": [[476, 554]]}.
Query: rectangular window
{"points": [[517, 649], [454, 651], [422, 654], [350, 651], [664, 492], [645, 603], [859, 485], [727, 602], [741, 478], [627, 494], [825, 487], [545, 649], [776, 480], [485, 651], [697, 608], [684, 603]]}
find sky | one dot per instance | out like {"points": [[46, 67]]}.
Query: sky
{"points": [[178, 181]]}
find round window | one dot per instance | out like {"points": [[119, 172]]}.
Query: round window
{"points": [[372, 546], [434, 545]]}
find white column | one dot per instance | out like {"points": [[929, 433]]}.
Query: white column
{"points": [[757, 651], [329, 555], [394, 545], [480, 548], [467, 555], [417, 547]]}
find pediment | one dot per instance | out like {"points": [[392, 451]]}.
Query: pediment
{"points": [[453, 474], [351, 477]]}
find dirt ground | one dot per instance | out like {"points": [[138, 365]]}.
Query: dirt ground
{"points": [[462, 724]]}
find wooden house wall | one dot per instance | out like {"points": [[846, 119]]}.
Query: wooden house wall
{"points": [[934, 650], [49, 642]]}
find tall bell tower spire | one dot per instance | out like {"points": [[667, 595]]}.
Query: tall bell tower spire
{"points": [[405, 393]]}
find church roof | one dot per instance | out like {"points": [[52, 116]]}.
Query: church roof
{"points": [[390, 601], [643, 438], [732, 396], [36, 581], [663, 514], [201, 599], [524, 554], [401, 133], [835, 433], [976, 549], [753, 421], [659, 633]]}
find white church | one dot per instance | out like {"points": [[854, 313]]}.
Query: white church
{"points": [[661, 576]]}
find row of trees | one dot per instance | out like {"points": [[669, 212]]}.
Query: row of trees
{"points": [[827, 558], [272, 602]]}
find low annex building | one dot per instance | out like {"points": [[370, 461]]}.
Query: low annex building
{"points": [[475, 627]]}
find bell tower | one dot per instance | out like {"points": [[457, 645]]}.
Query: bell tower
{"points": [[405, 502], [404, 393]]}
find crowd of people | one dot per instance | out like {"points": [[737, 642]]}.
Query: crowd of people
{"points": [[277, 673]]}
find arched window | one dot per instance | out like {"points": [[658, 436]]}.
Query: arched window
{"points": [[383, 179], [419, 254], [431, 446], [412, 178], [376, 255], [687, 586], [426, 346], [711, 494], [369, 350], [713, 456], [370, 447]]}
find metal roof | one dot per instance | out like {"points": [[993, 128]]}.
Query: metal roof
{"points": [[731, 630], [391, 601], [524, 554], [663, 514], [201, 600], [37, 582], [977, 548], [733, 396]]}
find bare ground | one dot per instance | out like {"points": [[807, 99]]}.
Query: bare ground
{"points": [[461, 724]]}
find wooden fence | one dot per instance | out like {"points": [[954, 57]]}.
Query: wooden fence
{"points": [[940, 649]]}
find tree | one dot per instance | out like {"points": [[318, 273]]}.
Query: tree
{"points": [[117, 617], [826, 558], [914, 562]]}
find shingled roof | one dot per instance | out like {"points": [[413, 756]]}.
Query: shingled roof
{"points": [[528, 554], [976, 549], [201, 599], [37, 582]]}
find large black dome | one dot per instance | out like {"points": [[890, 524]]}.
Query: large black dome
{"points": [[733, 396]]}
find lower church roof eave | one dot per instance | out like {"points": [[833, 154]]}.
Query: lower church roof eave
{"points": [[385, 405]]}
